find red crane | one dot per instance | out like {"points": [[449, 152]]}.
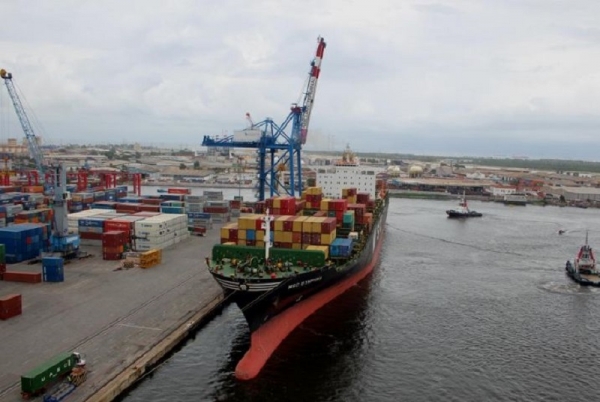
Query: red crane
{"points": [[309, 96]]}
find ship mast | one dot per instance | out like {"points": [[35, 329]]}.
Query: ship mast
{"points": [[266, 226]]}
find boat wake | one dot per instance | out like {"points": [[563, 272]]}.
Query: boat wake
{"points": [[458, 243], [568, 288]]}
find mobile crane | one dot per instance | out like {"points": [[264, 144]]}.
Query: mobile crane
{"points": [[32, 140], [61, 241]]}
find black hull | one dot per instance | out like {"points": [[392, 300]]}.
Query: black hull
{"points": [[575, 276], [457, 214], [260, 306]]}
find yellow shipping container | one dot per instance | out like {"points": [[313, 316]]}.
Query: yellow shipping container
{"points": [[351, 199], [241, 234], [241, 242], [297, 225], [324, 249], [224, 233], [279, 222], [229, 243], [328, 238], [245, 222], [325, 204], [278, 236], [287, 237], [307, 224], [316, 225], [260, 243], [260, 235], [296, 246]]}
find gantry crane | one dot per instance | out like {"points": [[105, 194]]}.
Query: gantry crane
{"points": [[270, 139], [32, 140]]}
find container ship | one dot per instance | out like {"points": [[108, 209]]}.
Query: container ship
{"points": [[293, 256]]}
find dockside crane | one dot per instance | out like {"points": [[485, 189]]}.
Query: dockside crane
{"points": [[61, 241], [270, 139], [32, 140]]}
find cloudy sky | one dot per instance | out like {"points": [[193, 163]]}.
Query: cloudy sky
{"points": [[461, 77]]}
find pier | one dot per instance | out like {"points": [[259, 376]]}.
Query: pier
{"points": [[123, 321]]}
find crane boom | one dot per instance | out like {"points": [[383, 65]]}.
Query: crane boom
{"points": [[309, 96], [32, 140]]}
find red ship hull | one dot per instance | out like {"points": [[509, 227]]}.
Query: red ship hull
{"points": [[265, 340]]}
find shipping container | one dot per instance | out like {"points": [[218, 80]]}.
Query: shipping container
{"points": [[47, 373], [10, 306]]}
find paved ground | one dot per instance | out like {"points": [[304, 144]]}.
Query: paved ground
{"points": [[111, 317]]}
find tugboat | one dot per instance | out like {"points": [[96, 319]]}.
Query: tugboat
{"points": [[463, 210], [583, 269]]}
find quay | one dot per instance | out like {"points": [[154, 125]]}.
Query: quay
{"points": [[122, 321]]}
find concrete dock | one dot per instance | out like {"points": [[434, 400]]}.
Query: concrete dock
{"points": [[121, 320]]}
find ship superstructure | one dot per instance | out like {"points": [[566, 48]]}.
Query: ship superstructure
{"points": [[347, 172]]}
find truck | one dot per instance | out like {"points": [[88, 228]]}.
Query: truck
{"points": [[48, 374]]}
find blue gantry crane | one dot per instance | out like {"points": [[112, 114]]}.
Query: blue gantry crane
{"points": [[61, 241], [278, 151], [32, 141]]}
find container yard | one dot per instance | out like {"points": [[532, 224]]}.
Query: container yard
{"points": [[132, 291]]}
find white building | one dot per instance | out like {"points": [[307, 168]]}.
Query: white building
{"points": [[502, 190], [347, 173]]}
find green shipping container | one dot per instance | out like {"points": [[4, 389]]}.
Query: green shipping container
{"points": [[2, 254], [46, 373], [314, 258]]}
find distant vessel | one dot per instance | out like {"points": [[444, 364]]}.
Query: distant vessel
{"points": [[583, 269], [463, 210], [515, 199]]}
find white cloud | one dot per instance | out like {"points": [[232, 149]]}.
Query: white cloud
{"points": [[408, 73]]}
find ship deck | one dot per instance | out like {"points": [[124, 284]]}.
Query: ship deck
{"points": [[229, 271], [121, 320]]}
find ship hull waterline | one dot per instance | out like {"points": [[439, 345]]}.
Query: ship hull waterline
{"points": [[266, 338]]}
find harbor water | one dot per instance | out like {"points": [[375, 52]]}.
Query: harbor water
{"points": [[457, 310]]}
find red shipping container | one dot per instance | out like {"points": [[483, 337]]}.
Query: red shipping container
{"points": [[2, 268], [112, 249], [297, 237], [306, 238], [363, 198], [118, 225], [179, 191], [233, 235], [111, 256], [328, 225], [90, 235], [198, 229], [114, 238], [10, 306], [27, 277], [288, 224], [251, 243], [315, 239], [150, 208]]}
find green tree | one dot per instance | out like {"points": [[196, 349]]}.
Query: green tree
{"points": [[182, 166], [196, 165]]}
